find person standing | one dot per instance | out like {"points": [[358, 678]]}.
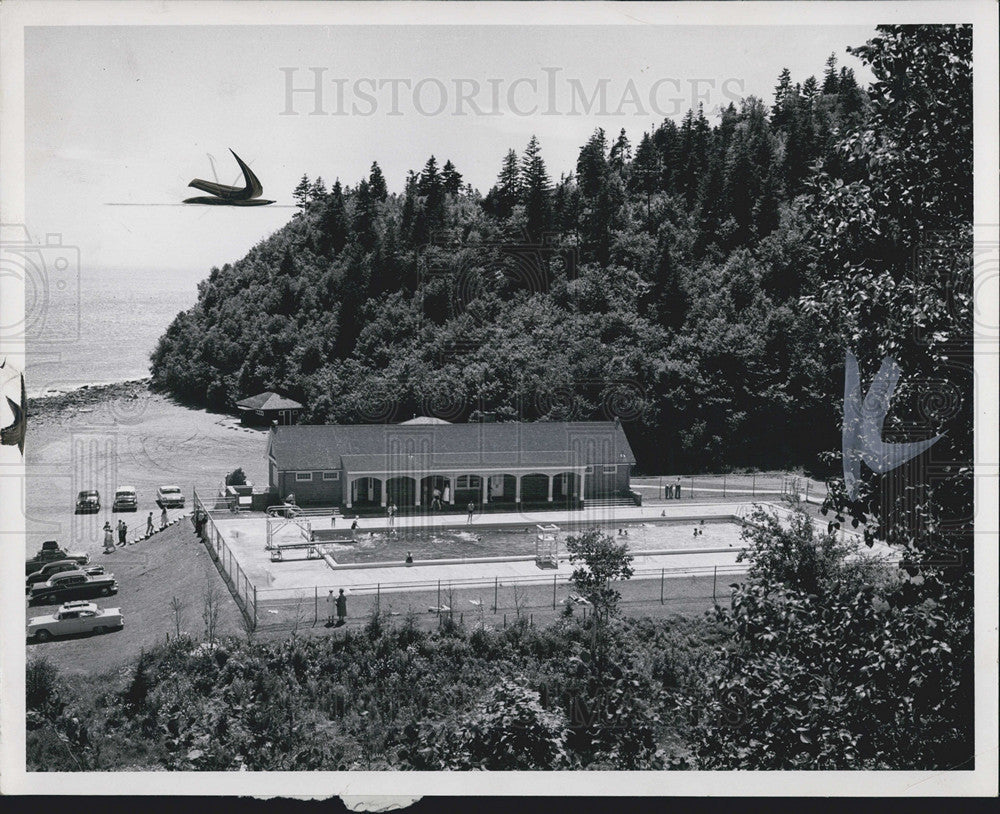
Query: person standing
{"points": [[677, 489], [471, 509], [331, 608], [149, 525], [122, 531], [391, 512], [163, 517], [109, 539], [341, 609]]}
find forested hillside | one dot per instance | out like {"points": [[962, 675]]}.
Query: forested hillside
{"points": [[659, 282]]}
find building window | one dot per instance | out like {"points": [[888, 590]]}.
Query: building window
{"points": [[303, 476], [331, 476], [589, 470], [610, 469], [468, 482]]}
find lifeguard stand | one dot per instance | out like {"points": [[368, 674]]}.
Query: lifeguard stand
{"points": [[547, 546]]}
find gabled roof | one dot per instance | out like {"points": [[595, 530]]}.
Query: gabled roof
{"points": [[268, 401], [393, 447], [425, 419]]}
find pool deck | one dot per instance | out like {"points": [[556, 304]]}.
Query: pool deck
{"points": [[245, 535]]}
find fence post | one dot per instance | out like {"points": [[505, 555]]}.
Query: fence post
{"points": [[715, 574], [553, 592], [753, 488], [496, 589], [691, 493], [807, 491], [662, 575], [254, 607], [723, 486], [439, 598], [315, 604]]}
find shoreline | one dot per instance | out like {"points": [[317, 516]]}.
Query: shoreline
{"points": [[88, 395]]}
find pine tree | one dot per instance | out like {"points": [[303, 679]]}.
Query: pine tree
{"points": [[621, 154], [535, 191], [508, 187], [333, 223], [301, 193], [451, 178], [376, 183], [592, 165], [830, 84], [317, 192], [782, 92], [430, 178], [365, 216]]}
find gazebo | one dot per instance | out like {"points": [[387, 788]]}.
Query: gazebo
{"points": [[268, 408]]}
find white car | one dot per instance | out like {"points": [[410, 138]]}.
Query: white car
{"points": [[170, 497], [74, 618]]}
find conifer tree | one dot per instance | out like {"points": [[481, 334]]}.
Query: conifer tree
{"points": [[451, 178], [535, 191], [376, 183], [301, 193]]}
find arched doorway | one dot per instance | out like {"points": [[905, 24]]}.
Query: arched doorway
{"points": [[534, 488], [429, 484], [366, 492], [565, 485], [401, 490], [502, 488]]}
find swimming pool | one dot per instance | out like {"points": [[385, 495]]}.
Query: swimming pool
{"points": [[459, 543]]}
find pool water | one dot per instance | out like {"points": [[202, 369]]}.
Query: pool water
{"points": [[458, 543]]}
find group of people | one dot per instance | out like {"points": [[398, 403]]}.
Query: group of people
{"points": [[336, 609], [121, 528], [672, 490]]}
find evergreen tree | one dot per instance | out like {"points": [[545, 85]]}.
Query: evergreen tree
{"points": [[333, 222], [451, 178], [508, 187], [830, 83], [535, 191], [621, 154], [317, 192], [376, 183], [301, 193]]}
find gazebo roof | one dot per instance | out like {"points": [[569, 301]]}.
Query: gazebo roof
{"points": [[268, 401]]}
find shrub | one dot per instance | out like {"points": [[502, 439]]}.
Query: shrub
{"points": [[236, 478]]}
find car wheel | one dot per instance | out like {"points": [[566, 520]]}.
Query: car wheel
{"points": [[100, 629], [43, 635]]}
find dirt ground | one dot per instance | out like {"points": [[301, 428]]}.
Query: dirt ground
{"points": [[135, 438], [172, 563]]}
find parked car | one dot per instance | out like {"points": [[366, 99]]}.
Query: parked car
{"points": [[88, 501], [57, 567], [170, 497], [75, 617], [125, 500], [72, 585], [51, 552]]}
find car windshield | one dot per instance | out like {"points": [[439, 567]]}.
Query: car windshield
{"points": [[170, 490]]}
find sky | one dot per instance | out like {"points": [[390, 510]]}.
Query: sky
{"points": [[120, 119]]}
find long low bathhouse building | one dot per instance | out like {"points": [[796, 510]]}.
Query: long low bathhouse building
{"points": [[416, 463]]}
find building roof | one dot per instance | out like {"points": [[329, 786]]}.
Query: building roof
{"points": [[424, 447], [425, 419], [268, 401]]}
